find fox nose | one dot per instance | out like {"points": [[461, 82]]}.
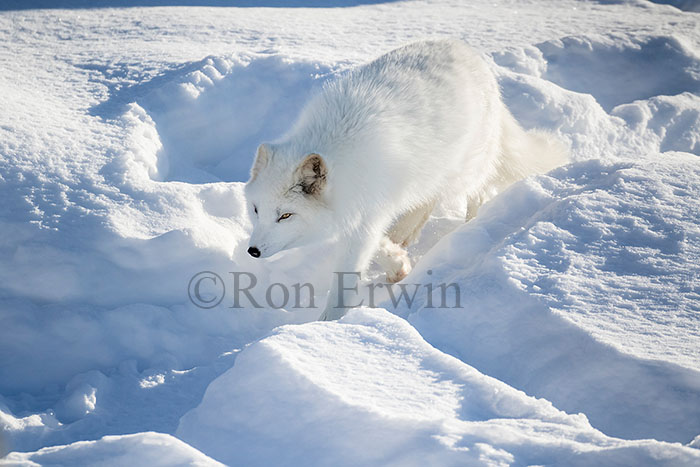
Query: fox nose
{"points": [[254, 252]]}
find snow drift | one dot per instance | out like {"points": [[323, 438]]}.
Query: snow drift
{"points": [[369, 390]]}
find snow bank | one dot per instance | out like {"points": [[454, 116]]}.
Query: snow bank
{"points": [[153, 449], [369, 390], [610, 247], [590, 90], [119, 275], [146, 249], [620, 69], [211, 115]]}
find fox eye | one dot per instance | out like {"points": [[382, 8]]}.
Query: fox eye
{"points": [[255, 208], [284, 216]]}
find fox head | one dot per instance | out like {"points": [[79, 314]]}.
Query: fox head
{"points": [[286, 200]]}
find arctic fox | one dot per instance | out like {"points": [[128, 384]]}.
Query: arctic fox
{"points": [[373, 153]]}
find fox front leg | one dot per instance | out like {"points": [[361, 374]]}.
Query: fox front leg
{"points": [[339, 300], [344, 293]]}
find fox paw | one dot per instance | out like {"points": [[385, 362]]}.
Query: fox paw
{"points": [[394, 260], [398, 274]]}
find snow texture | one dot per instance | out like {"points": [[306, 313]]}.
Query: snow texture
{"points": [[155, 449], [391, 399], [125, 136]]}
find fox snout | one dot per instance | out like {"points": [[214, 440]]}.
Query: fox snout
{"points": [[254, 252]]}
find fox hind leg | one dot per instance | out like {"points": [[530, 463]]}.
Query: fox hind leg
{"points": [[393, 259], [407, 227], [392, 256]]}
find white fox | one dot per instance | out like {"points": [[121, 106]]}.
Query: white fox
{"points": [[373, 153]]}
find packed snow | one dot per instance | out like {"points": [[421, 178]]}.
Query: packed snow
{"points": [[126, 133]]}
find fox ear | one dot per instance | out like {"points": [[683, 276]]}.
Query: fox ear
{"points": [[311, 175], [261, 159]]}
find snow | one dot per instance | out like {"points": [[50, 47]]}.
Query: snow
{"points": [[611, 248], [156, 449], [369, 390], [687, 5], [125, 134]]}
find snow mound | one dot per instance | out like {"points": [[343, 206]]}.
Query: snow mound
{"points": [[608, 96], [611, 247], [108, 267], [153, 449], [369, 390], [208, 117], [672, 122], [619, 70]]}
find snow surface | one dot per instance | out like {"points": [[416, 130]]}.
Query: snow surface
{"points": [[125, 134], [392, 399], [153, 449]]}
